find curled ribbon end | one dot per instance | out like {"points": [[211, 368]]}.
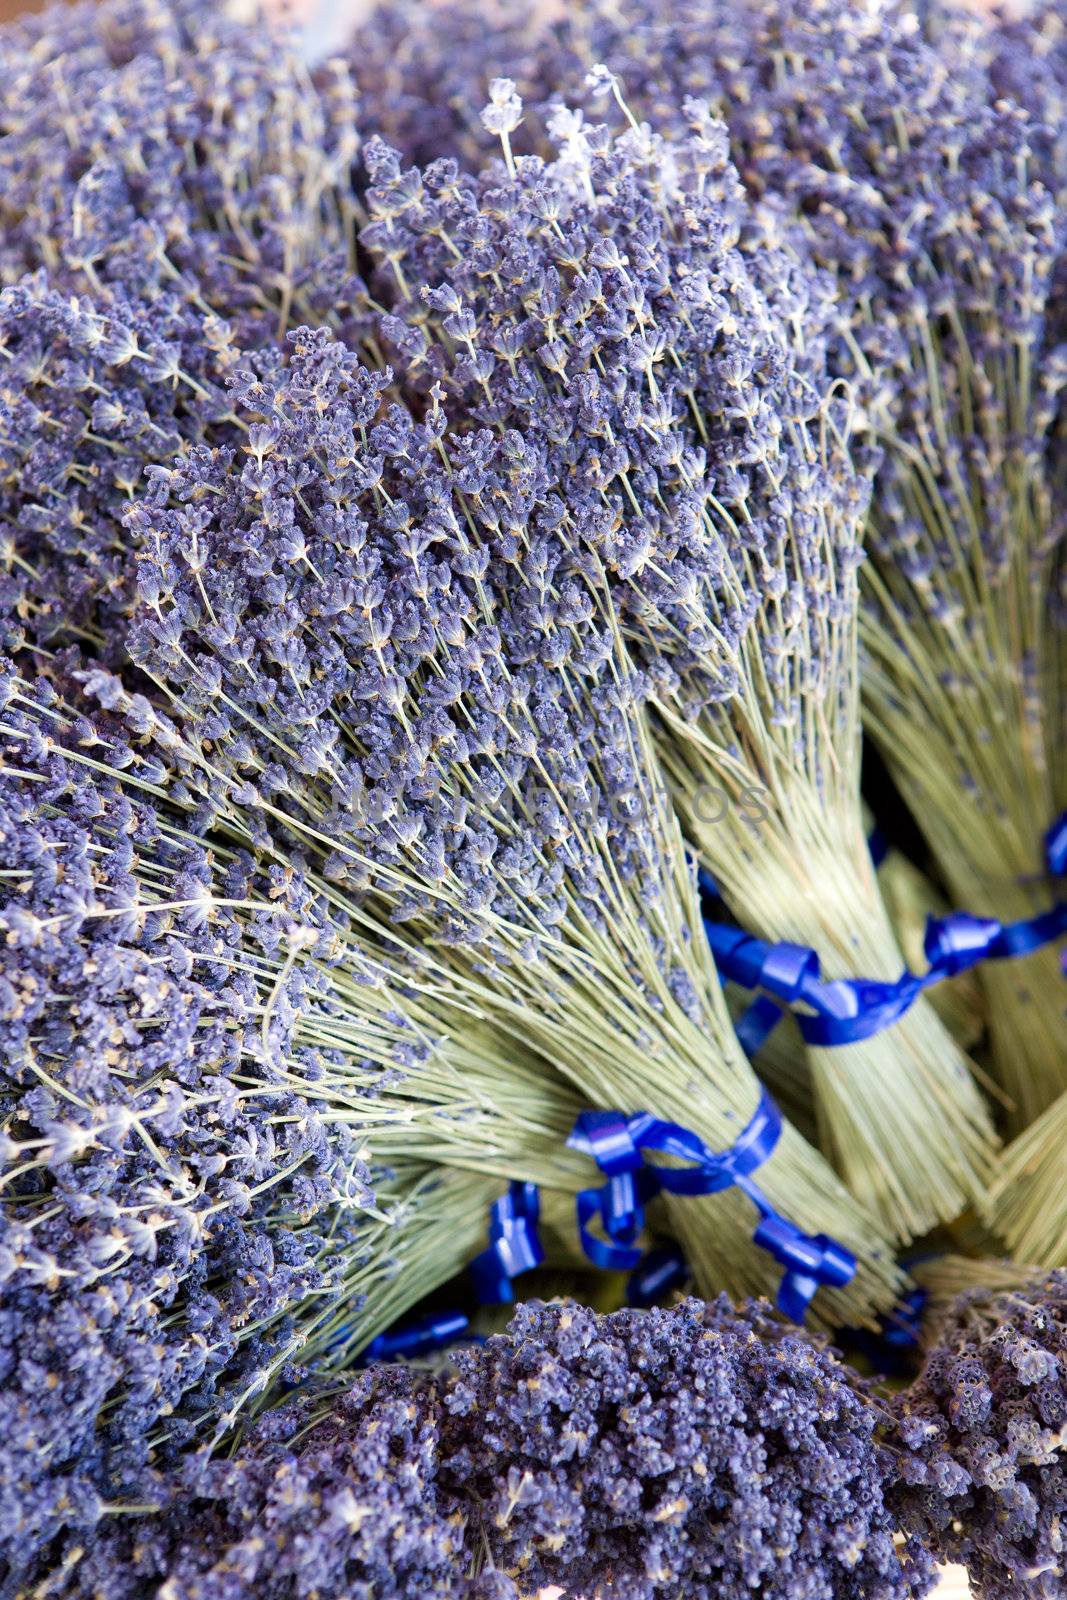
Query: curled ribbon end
{"points": [[514, 1245]]}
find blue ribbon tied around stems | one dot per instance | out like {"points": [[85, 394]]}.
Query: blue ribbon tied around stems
{"points": [[619, 1145], [514, 1244], [846, 1010]]}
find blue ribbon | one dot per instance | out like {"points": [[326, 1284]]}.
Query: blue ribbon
{"points": [[756, 1024], [514, 1247], [514, 1244], [893, 1350], [611, 1140], [707, 883], [878, 845], [849, 1009], [619, 1144], [418, 1338], [902, 1326]]}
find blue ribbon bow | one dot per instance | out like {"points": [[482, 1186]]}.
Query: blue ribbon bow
{"points": [[514, 1244], [849, 1009], [514, 1247], [894, 1349], [619, 1144], [612, 1141]]}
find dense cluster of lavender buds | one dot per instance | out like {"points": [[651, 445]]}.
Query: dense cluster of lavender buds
{"points": [[162, 148], [336, 589], [92, 393], [162, 224], [347, 1504], [983, 1431], [196, 1070], [623, 306], [696, 1452]]}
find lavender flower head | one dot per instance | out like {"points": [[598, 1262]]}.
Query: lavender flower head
{"points": [[168, 219], [194, 156], [983, 1429], [622, 304], [94, 391]]}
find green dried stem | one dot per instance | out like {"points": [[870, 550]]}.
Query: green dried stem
{"points": [[899, 1114], [946, 1277], [910, 898], [782, 1063], [597, 1007], [986, 840], [964, 684], [441, 1224], [1027, 1204]]}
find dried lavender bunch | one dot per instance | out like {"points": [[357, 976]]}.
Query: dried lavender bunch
{"points": [[1025, 1203], [925, 178], [911, 898], [983, 1429], [964, 528], [1026, 61], [697, 1451], [199, 1091], [623, 306], [195, 175], [94, 391], [782, 1057], [693, 1452], [385, 653]]}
